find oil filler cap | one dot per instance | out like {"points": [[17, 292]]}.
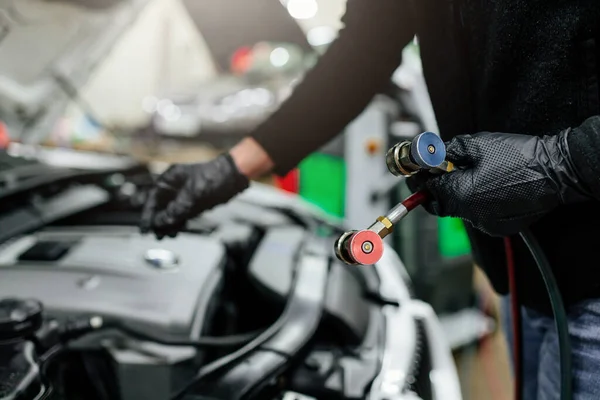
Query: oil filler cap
{"points": [[19, 318]]}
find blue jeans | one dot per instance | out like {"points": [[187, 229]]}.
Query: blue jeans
{"points": [[541, 368]]}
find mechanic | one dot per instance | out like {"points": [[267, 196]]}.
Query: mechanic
{"points": [[514, 85]]}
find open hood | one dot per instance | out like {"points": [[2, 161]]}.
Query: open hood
{"points": [[47, 49]]}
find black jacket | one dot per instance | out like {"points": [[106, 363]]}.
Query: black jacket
{"points": [[522, 66]]}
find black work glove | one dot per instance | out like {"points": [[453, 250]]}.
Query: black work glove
{"points": [[504, 182], [185, 190]]}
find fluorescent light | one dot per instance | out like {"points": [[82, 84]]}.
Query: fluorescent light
{"points": [[279, 57], [302, 9], [321, 35]]}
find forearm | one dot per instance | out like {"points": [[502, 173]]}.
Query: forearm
{"points": [[584, 150], [355, 67], [251, 159]]}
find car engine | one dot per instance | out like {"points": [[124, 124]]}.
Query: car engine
{"points": [[248, 302]]}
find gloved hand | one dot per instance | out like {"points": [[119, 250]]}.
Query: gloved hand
{"points": [[504, 182], [185, 190]]}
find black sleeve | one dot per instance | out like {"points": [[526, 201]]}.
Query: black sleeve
{"points": [[584, 149], [355, 67]]}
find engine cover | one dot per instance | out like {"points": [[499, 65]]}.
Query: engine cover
{"points": [[165, 287]]}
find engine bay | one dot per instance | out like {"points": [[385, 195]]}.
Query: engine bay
{"points": [[248, 303]]}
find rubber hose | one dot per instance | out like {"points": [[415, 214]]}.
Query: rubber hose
{"points": [[560, 315]]}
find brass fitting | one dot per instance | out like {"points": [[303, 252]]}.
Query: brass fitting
{"points": [[382, 227], [446, 166]]}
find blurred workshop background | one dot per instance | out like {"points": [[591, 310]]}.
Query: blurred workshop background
{"points": [[167, 81]]}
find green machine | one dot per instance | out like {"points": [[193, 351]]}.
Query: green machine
{"points": [[322, 182]]}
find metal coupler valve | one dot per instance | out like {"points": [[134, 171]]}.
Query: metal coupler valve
{"points": [[366, 247], [425, 152]]}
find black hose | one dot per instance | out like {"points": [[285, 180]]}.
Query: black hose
{"points": [[221, 363], [51, 354], [95, 377], [203, 341], [79, 327], [560, 315]]}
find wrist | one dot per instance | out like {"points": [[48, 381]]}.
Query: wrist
{"points": [[568, 172], [251, 159], [583, 145]]}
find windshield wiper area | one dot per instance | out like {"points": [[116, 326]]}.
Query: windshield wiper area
{"points": [[21, 176], [30, 217], [34, 193], [14, 170], [10, 179], [8, 162]]}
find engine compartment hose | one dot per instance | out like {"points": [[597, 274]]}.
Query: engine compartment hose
{"points": [[233, 340], [82, 326], [218, 365], [560, 314]]}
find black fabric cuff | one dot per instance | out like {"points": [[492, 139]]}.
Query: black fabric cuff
{"points": [[584, 149], [267, 137]]}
